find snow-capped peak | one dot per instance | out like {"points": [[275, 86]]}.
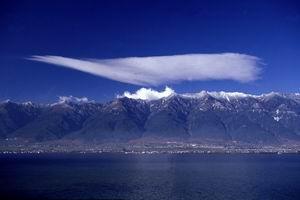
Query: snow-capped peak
{"points": [[195, 95], [270, 94], [151, 94], [219, 95], [229, 95], [27, 103]]}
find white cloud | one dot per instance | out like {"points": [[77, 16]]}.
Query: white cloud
{"points": [[157, 70], [151, 94], [148, 94], [72, 99]]}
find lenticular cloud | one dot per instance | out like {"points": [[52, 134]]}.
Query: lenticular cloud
{"points": [[157, 70]]}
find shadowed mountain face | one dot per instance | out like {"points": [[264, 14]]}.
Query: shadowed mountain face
{"points": [[57, 121], [267, 119], [119, 120], [14, 116]]}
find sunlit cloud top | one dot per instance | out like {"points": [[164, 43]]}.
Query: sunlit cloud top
{"points": [[148, 94], [158, 70]]}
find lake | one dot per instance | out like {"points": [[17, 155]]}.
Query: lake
{"points": [[160, 176]]}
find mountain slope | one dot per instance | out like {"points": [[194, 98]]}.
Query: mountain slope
{"points": [[206, 116], [57, 121], [14, 116], [122, 119]]}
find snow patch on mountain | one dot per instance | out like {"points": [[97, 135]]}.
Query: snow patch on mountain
{"points": [[276, 118], [230, 95], [219, 95], [28, 103], [151, 94]]}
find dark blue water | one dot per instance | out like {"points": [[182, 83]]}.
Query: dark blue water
{"points": [[150, 177]]}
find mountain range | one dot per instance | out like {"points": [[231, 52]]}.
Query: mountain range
{"points": [[272, 118]]}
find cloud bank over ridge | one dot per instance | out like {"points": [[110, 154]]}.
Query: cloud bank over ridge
{"points": [[148, 94], [158, 70]]}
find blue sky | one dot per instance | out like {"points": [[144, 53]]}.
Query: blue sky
{"points": [[268, 30]]}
